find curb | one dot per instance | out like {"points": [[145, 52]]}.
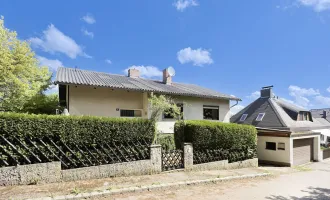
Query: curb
{"points": [[107, 193]]}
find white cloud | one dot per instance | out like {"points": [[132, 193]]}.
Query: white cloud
{"points": [[53, 89], [89, 19], [181, 5], [108, 61], [198, 57], [324, 101], [146, 71], [287, 100], [328, 89], [301, 95], [317, 5], [236, 109], [53, 40], [52, 64], [254, 95], [87, 33]]}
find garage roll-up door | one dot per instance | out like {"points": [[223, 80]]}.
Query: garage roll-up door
{"points": [[302, 151]]}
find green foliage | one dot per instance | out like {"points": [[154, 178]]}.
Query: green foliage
{"points": [[77, 129], [208, 135], [21, 76], [167, 141], [42, 104], [162, 104]]}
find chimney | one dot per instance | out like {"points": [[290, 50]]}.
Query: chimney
{"points": [[167, 79], [266, 92], [324, 114], [133, 73]]}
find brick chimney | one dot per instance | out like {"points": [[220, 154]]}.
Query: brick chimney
{"points": [[133, 73], [167, 79], [266, 92]]}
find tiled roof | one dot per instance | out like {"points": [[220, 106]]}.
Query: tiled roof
{"points": [[84, 77]]}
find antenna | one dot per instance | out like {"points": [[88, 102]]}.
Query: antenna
{"points": [[171, 71]]}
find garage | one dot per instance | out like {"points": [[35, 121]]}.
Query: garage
{"points": [[302, 151]]}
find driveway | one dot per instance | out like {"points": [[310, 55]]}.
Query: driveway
{"points": [[311, 182]]}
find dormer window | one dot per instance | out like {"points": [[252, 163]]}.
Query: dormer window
{"points": [[243, 118], [305, 116], [260, 117]]}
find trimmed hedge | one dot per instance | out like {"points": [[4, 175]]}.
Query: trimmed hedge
{"points": [[208, 135], [167, 141], [77, 129]]}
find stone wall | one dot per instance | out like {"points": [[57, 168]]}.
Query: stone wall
{"points": [[218, 165], [31, 174], [51, 172]]}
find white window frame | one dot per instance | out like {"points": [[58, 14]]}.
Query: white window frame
{"points": [[243, 117], [259, 119]]}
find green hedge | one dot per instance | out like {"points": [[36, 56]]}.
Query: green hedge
{"points": [[167, 141], [77, 129], [208, 135]]}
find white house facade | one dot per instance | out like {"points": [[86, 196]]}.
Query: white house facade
{"points": [[85, 92]]}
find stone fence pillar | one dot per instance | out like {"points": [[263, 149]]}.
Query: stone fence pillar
{"points": [[156, 158], [188, 156]]}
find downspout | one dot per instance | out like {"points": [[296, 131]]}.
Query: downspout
{"points": [[234, 104]]}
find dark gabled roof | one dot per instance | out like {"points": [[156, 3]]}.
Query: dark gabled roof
{"points": [[319, 113], [261, 105], [91, 78], [278, 116]]}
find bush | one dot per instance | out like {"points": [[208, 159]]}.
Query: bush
{"points": [[167, 141], [239, 141], [77, 129]]}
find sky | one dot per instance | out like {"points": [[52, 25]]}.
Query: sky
{"points": [[234, 47]]}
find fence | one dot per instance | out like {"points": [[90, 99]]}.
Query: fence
{"points": [[326, 154], [155, 162], [71, 155]]}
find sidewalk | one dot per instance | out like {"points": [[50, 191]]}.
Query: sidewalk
{"points": [[116, 183]]}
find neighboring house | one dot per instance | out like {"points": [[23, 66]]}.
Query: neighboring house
{"points": [[85, 92], [287, 134], [323, 116]]}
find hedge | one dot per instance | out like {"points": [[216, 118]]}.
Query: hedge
{"points": [[77, 129], [167, 141], [209, 135]]}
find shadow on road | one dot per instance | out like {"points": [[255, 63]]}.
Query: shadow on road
{"points": [[312, 194]]}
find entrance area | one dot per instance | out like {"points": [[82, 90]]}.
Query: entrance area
{"points": [[302, 151]]}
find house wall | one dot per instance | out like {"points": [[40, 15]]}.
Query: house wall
{"points": [[281, 157], [85, 100], [193, 110]]}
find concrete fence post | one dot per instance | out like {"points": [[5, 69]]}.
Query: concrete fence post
{"points": [[188, 156], [156, 158]]}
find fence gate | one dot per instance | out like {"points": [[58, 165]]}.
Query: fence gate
{"points": [[172, 159]]}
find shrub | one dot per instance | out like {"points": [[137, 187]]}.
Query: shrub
{"points": [[236, 141], [77, 129], [167, 141], [75, 141]]}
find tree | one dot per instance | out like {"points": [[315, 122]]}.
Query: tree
{"points": [[21, 77], [162, 104], [42, 104]]}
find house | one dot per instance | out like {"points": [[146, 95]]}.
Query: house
{"points": [[85, 92], [288, 135], [323, 116]]}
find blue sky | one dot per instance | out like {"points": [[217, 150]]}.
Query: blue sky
{"points": [[234, 47]]}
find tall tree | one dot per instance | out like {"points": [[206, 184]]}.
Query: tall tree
{"points": [[21, 77]]}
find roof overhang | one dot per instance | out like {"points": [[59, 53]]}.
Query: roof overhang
{"points": [[156, 92]]}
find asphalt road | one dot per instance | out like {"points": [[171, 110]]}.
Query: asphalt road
{"points": [[303, 185]]}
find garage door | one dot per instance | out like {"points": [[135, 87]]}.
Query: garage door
{"points": [[302, 151]]}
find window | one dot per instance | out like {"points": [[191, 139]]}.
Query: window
{"points": [[305, 116], [130, 113], [169, 114], [243, 118], [322, 137], [260, 117], [328, 138], [281, 146], [211, 112], [271, 146]]}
